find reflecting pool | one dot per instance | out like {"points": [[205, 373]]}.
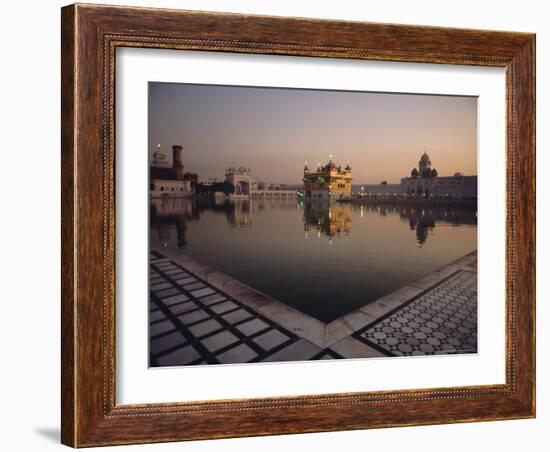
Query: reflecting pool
{"points": [[324, 259]]}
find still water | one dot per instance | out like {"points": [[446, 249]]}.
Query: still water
{"points": [[323, 259]]}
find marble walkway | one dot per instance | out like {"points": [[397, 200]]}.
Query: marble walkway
{"points": [[201, 316]]}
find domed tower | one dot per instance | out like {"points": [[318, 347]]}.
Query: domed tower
{"points": [[425, 166], [159, 158], [348, 167], [306, 169]]}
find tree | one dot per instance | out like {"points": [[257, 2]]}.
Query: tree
{"points": [[384, 182], [227, 188]]}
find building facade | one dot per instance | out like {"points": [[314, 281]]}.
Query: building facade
{"points": [[425, 182], [241, 179], [246, 186], [169, 180], [327, 182], [276, 193]]}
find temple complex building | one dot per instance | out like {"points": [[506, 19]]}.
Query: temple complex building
{"points": [[327, 181], [169, 180], [425, 182], [241, 179], [245, 186]]}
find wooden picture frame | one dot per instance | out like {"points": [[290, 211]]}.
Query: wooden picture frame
{"points": [[90, 36]]}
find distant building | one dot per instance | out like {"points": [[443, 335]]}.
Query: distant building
{"points": [[211, 181], [327, 182], [167, 180], [241, 179], [383, 190], [246, 186], [425, 182]]}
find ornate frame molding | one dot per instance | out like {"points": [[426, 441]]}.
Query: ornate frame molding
{"points": [[90, 37]]}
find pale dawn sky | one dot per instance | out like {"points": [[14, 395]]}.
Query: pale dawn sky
{"points": [[275, 130]]}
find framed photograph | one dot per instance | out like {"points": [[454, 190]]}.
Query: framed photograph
{"points": [[281, 225]]}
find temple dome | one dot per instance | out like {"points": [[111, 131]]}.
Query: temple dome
{"points": [[424, 162], [159, 157]]}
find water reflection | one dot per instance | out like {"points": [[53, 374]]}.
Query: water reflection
{"points": [[323, 259], [331, 220], [328, 219]]}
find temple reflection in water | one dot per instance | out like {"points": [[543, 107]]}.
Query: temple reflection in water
{"points": [[329, 219], [319, 257], [169, 217]]}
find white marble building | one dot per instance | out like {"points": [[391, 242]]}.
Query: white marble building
{"points": [[242, 180], [425, 182], [168, 180]]}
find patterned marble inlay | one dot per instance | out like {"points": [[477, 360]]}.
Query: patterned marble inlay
{"points": [[440, 320], [193, 322]]}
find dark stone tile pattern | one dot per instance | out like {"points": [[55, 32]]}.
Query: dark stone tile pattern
{"points": [[440, 320], [192, 322]]}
